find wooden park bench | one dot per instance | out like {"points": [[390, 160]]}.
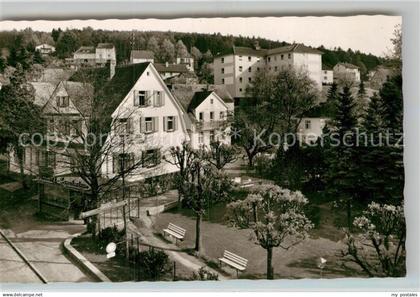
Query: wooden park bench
{"points": [[234, 261], [175, 231]]}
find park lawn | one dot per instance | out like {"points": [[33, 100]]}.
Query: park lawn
{"points": [[299, 261]]}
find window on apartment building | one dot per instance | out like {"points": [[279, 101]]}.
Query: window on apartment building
{"points": [[170, 123], [249, 79], [240, 58], [64, 127], [150, 158], [269, 59], [223, 70], [201, 137], [240, 68], [240, 79], [307, 124], [140, 99], [258, 68], [62, 101], [249, 59], [325, 78], [122, 162], [222, 60], [148, 124], [212, 134], [211, 115], [124, 126], [223, 81], [76, 127], [275, 68], [201, 116], [240, 89], [282, 57], [289, 56], [249, 69]]}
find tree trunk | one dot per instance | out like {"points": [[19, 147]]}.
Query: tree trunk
{"points": [[270, 272], [198, 233]]}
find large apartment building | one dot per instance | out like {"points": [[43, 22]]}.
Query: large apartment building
{"points": [[237, 68]]}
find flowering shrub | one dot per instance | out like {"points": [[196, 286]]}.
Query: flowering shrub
{"points": [[380, 249], [275, 215]]}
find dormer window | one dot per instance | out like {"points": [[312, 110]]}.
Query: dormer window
{"points": [[62, 101]]}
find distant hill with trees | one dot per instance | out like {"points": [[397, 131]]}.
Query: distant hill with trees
{"points": [[164, 44]]}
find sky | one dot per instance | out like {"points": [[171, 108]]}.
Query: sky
{"points": [[369, 34]]}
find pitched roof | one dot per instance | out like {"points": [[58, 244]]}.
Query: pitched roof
{"points": [[105, 45], [296, 48], [140, 54], [85, 50], [174, 68], [348, 65], [43, 92], [81, 94], [197, 99]]}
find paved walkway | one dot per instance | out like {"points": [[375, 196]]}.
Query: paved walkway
{"points": [[42, 247], [144, 228], [11, 187]]}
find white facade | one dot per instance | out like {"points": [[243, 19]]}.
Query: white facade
{"points": [[154, 127], [188, 61], [211, 123], [310, 129], [105, 54], [346, 71], [236, 70], [327, 77]]}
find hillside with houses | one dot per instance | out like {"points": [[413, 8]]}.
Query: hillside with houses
{"points": [[179, 145]]}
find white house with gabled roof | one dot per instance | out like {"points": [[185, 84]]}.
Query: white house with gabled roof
{"points": [[147, 122]]}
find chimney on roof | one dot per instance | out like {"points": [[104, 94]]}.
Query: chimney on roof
{"points": [[257, 45]]}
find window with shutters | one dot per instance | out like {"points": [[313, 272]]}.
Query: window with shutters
{"points": [[158, 98], [140, 99], [76, 127], [170, 123], [151, 158], [124, 126], [62, 101], [148, 122]]}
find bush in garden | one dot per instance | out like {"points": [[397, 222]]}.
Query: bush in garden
{"points": [[203, 274], [153, 264], [109, 234]]}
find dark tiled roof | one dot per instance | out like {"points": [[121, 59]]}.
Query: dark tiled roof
{"points": [[296, 48], [197, 99], [175, 68], [105, 45], [86, 50], [139, 54], [348, 65]]}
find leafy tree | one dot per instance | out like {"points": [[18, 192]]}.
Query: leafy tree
{"points": [[153, 264], [3, 64], [67, 43], [197, 55], [220, 154], [56, 34], [275, 216], [153, 45], [181, 50], [380, 249], [38, 59], [167, 51], [19, 116]]}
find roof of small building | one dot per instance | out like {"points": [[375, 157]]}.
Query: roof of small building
{"points": [[348, 65], [197, 99], [86, 50], [141, 54], [174, 68], [105, 45]]}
